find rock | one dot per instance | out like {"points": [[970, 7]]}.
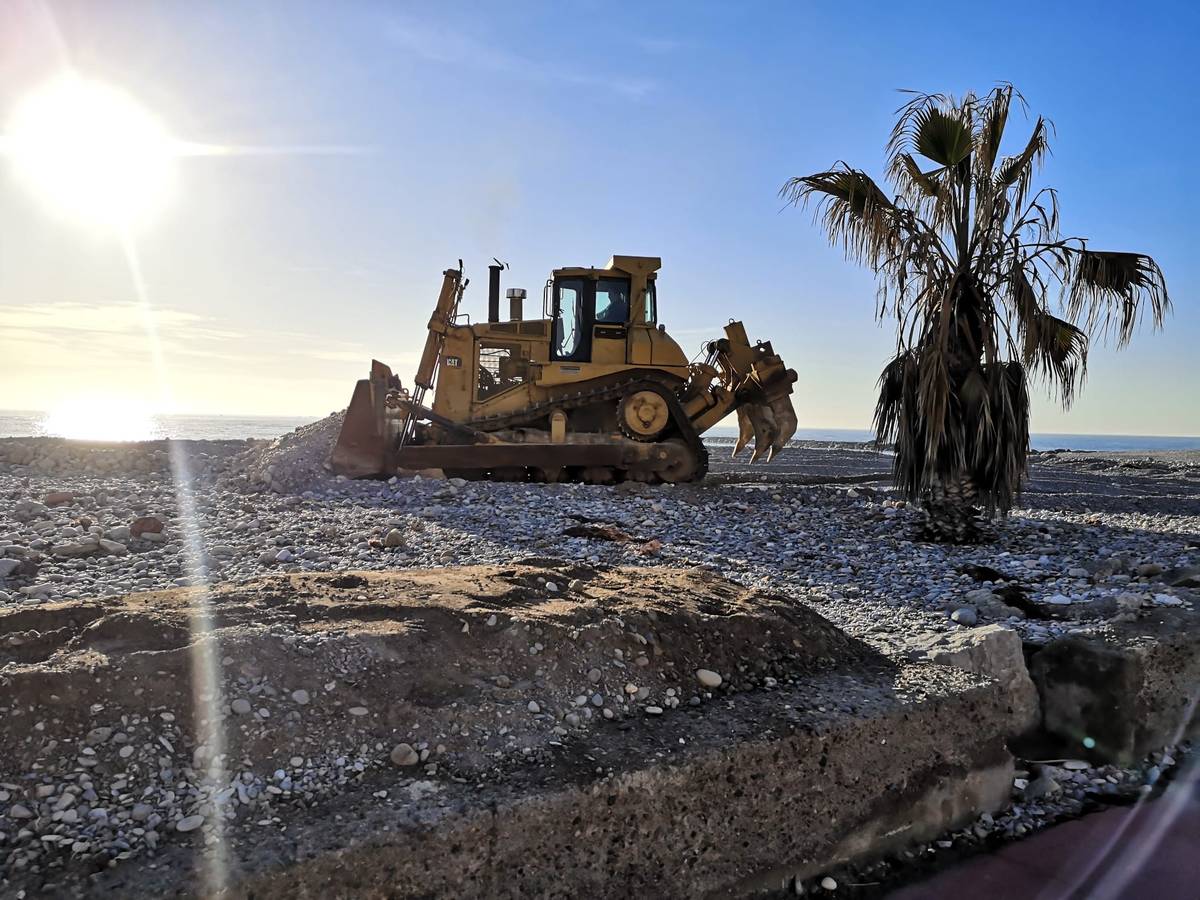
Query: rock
{"points": [[594, 675], [144, 525], [30, 511], [1149, 570], [189, 823], [113, 548], [1167, 600], [1185, 576], [829, 884], [533, 707], [58, 498], [990, 650], [1079, 572], [654, 710], [394, 538], [357, 710], [284, 556], [120, 533], [267, 557], [84, 547], [708, 678], [404, 755], [300, 696], [19, 811], [1042, 786], [8, 566], [241, 706], [1058, 600], [965, 615]]}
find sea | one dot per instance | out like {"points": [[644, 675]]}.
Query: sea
{"points": [[195, 427]]}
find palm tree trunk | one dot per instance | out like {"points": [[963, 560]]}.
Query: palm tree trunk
{"points": [[951, 515]]}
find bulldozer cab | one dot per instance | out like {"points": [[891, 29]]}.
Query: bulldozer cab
{"points": [[593, 310]]}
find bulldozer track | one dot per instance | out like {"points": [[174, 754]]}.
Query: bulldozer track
{"points": [[614, 392]]}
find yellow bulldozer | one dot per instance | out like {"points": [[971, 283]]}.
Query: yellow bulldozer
{"points": [[594, 391]]}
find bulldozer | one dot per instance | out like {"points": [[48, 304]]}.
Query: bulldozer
{"points": [[595, 390]]}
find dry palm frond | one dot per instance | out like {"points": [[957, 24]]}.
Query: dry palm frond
{"points": [[1109, 288]]}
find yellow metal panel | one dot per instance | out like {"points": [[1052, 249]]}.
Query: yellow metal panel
{"points": [[607, 350], [664, 351], [640, 345], [456, 375], [557, 374]]}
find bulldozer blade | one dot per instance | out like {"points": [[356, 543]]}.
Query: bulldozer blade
{"points": [[745, 432], [785, 421], [362, 446]]}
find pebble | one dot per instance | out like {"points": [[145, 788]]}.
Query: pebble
{"points": [[300, 697], [708, 678], [533, 706], [405, 755], [189, 823], [829, 883], [241, 706], [965, 615]]}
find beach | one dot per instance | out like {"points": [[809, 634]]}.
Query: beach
{"points": [[122, 551]]}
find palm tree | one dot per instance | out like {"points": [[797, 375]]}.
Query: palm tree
{"points": [[971, 263]]}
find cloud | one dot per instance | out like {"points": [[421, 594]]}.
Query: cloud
{"points": [[449, 46], [49, 351]]}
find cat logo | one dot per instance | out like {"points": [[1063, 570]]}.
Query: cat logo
{"points": [[454, 362]]}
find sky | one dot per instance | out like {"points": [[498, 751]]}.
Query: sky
{"points": [[551, 135]]}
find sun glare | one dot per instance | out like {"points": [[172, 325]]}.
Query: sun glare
{"points": [[101, 419], [92, 151]]}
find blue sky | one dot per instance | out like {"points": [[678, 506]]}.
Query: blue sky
{"points": [[558, 134]]}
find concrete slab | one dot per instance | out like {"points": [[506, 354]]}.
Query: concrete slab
{"points": [[736, 799], [1125, 690]]}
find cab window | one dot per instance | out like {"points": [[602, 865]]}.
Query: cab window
{"points": [[612, 300], [568, 318], [651, 313]]}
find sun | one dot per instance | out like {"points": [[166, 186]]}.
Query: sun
{"points": [[100, 418], [92, 151]]}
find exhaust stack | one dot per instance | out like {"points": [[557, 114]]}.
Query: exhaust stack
{"points": [[516, 297], [494, 291]]}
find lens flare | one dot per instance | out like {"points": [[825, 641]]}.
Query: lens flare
{"points": [[91, 151]]}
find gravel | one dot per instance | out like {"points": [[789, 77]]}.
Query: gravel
{"points": [[1095, 540]]}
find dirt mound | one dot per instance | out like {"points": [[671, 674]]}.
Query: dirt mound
{"points": [[117, 740], [298, 461]]}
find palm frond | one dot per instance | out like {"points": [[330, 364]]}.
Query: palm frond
{"points": [[942, 136], [992, 120], [854, 211], [1017, 171], [1110, 290]]}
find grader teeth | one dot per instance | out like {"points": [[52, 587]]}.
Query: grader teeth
{"points": [[745, 431], [785, 421]]}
